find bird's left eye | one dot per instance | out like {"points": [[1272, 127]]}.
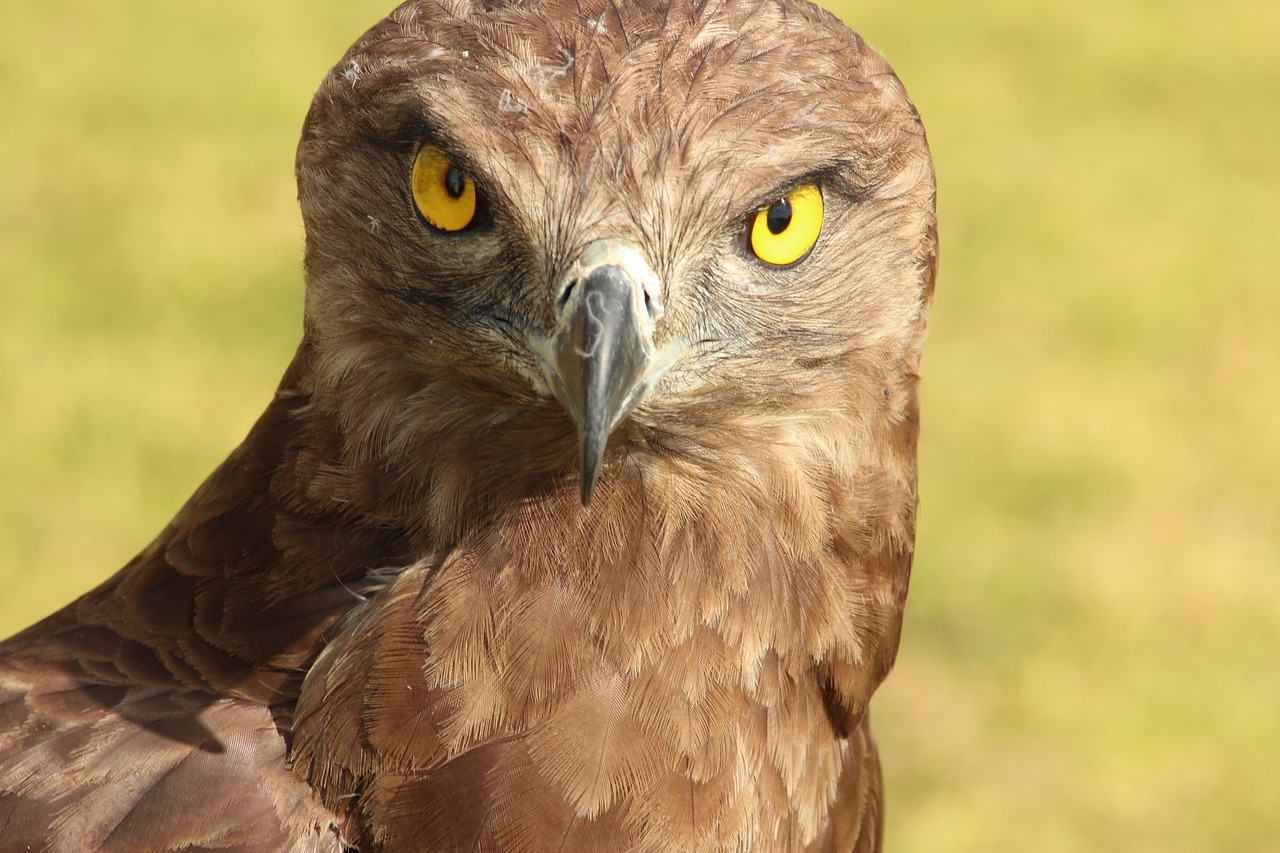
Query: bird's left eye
{"points": [[784, 231], [445, 195]]}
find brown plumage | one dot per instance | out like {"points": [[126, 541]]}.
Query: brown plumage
{"points": [[500, 568]]}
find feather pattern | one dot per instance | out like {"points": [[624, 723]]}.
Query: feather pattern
{"points": [[389, 621]]}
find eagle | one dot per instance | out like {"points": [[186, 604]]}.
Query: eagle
{"points": [[583, 517]]}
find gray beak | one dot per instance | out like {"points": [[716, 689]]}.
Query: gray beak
{"points": [[599, 357]]}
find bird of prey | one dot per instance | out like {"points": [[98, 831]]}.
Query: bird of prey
{"points": [[582, 519]]}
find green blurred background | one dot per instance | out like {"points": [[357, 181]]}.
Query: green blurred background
{"points": [[1090, 655]]}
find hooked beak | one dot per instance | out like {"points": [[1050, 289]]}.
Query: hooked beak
{"points": [[599, 360]]}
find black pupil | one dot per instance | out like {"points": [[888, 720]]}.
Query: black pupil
{"points": [[778, 217], [455, 182]]}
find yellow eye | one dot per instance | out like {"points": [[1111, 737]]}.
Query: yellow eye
{"points": [[785, 230], [444, 194]]}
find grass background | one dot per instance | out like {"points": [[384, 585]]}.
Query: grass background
{"points": [[1090, 655]]}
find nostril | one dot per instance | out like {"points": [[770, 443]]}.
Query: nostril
{"points": [[565, 294], [648, 306]]}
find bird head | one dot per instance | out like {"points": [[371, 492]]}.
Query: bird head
{"points": [[576, 239]]}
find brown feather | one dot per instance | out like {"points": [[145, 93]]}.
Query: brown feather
{"points": [[388, 620]]}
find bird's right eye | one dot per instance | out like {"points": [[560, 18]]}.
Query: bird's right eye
{"points": [[444, 194]]}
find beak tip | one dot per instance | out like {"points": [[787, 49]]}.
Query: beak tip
{"points": [[589, 473]]}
